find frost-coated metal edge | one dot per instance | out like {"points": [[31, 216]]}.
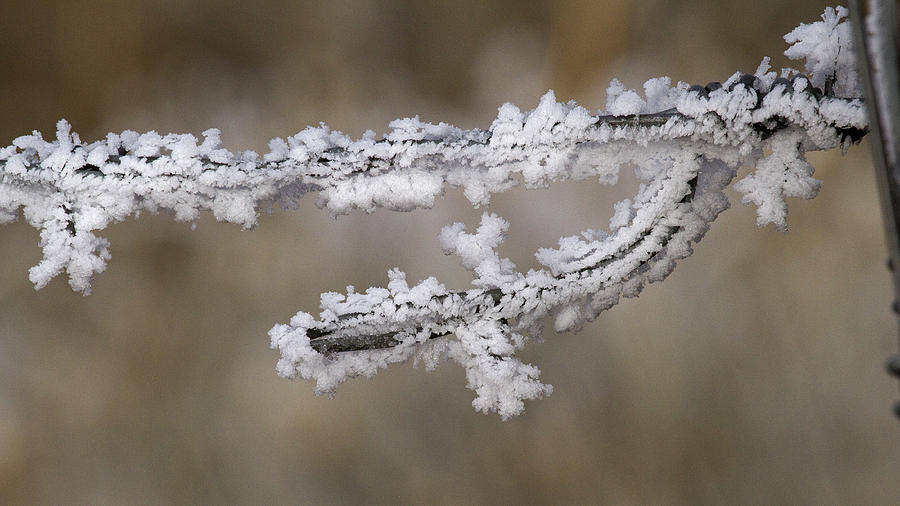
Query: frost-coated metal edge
{"points": [[887, 99]]}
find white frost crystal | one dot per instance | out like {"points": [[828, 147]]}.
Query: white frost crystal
{"points": [[827, 47], [685, 142]]}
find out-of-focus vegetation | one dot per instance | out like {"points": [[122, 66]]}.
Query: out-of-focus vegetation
{"points": [[752, 375]]}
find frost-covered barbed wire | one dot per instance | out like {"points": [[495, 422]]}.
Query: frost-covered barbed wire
{"points": [[686, 142]]}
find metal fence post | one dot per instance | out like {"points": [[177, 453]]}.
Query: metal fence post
{"points": [[876, 31]]}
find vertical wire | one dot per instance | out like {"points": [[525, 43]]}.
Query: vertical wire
{"points": [[884, 112]]}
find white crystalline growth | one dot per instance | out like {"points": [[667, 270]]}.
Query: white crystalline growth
{"points": [[827, 47], [478, 251], [686, 148], [685, 142], [781, 174]]}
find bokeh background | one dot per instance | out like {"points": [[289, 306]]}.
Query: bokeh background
{"points": [[754, 374]]}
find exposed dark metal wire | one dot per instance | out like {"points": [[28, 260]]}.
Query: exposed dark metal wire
{"points": [[328, 341]]}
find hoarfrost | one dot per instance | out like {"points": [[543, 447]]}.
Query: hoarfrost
{"points": [[686, 142], [827, 47]]}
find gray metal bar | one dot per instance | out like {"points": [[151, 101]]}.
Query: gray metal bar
{"points": [[878, 67]]}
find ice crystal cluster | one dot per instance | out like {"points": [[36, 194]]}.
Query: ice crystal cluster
{"points": [[685, 141]]}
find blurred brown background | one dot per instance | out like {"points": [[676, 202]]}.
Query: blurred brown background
{"points": [[754, 374]]}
